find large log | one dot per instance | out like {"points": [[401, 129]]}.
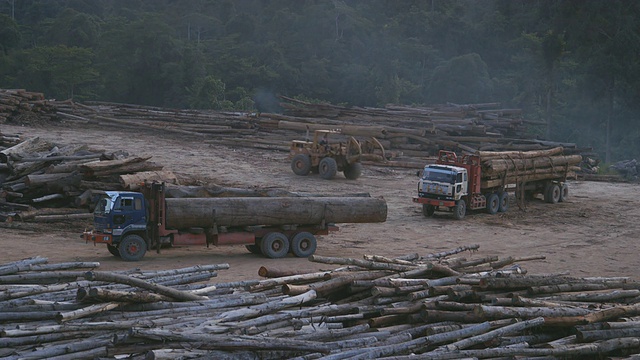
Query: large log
{"points": [[514, 164], [208, 212], [28, 146], [133, 181]]}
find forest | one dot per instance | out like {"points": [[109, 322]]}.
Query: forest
{"points": [[572, 66]]}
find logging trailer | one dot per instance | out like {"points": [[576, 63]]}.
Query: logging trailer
{"points": [[129, 223], [323, 156], [457, 184]]}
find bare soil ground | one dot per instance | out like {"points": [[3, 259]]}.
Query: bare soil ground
{"points": [[595, 233]]}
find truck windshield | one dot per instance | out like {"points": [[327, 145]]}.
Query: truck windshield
{"points": [[439, 176], [106, 204], [103, 206]]}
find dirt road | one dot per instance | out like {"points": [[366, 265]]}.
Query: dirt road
{"points": [[595, 233]]}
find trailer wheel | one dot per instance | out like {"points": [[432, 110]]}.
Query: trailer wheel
{"points": [[301, 164], [552, 195], [274, 245], [493, 204], [113, 250], [460, 210], [504, 202], [303, 244], [353, 171], [328, 168], [428, 210], [564, 192], [132, 248]]}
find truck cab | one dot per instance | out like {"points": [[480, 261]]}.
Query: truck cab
{"points": [[120, 221], [443, 182]]}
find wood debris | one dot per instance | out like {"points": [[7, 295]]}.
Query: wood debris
{"points": [[437, 306]]}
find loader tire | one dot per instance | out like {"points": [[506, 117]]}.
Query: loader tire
{"points": [[353, 171], [328, 168], [301, 164]]}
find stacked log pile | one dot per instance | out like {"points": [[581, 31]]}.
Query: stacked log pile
{"points": [[438, 306], [410, 134], [515, 167], [36, 173], [20, 103], [423, 131]]}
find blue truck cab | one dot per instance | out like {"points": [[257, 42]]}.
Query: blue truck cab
{"points": [[120, 221]]}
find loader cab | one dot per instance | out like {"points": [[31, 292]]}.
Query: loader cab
{"points": [[118, 212], [443, 182]]}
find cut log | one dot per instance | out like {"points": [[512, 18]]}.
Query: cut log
{"points": [[26, 147], [208, 212], [133, 181]]}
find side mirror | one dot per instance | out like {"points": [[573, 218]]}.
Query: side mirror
{"points": [[419, 173]]}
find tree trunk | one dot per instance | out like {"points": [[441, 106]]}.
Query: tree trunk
{"points": [[26, 147], [208, 212]]}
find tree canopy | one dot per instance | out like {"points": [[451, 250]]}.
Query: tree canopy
{"points": [[569, 64]]}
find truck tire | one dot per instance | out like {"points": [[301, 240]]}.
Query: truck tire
{"points": [[460, 210], [328, 168], [428, 210], [303, 244], [564, 192], [301, 164], [504, 201], [353, 171], [274, 245], [132, 248], [552, 195], [493, 203], [113, 250]]}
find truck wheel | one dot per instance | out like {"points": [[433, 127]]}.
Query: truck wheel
{"points": [[113, 250], [504, 202], [328, 168], [564, 192], [493, 204], [353, 171], [428, 210], [460, 210], [553, 194], [274, 245], [301, 164], [132, 248], [303, 244]]}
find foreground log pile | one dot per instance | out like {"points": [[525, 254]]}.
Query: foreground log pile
{"points": [[437, 306], [36, 173]]}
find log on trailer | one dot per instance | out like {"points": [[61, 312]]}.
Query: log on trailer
{"points": [[243, 211]]}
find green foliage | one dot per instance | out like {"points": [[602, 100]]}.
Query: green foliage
{"points": [[569, 64], [59, 71], [462, 79], [9, 34]]}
